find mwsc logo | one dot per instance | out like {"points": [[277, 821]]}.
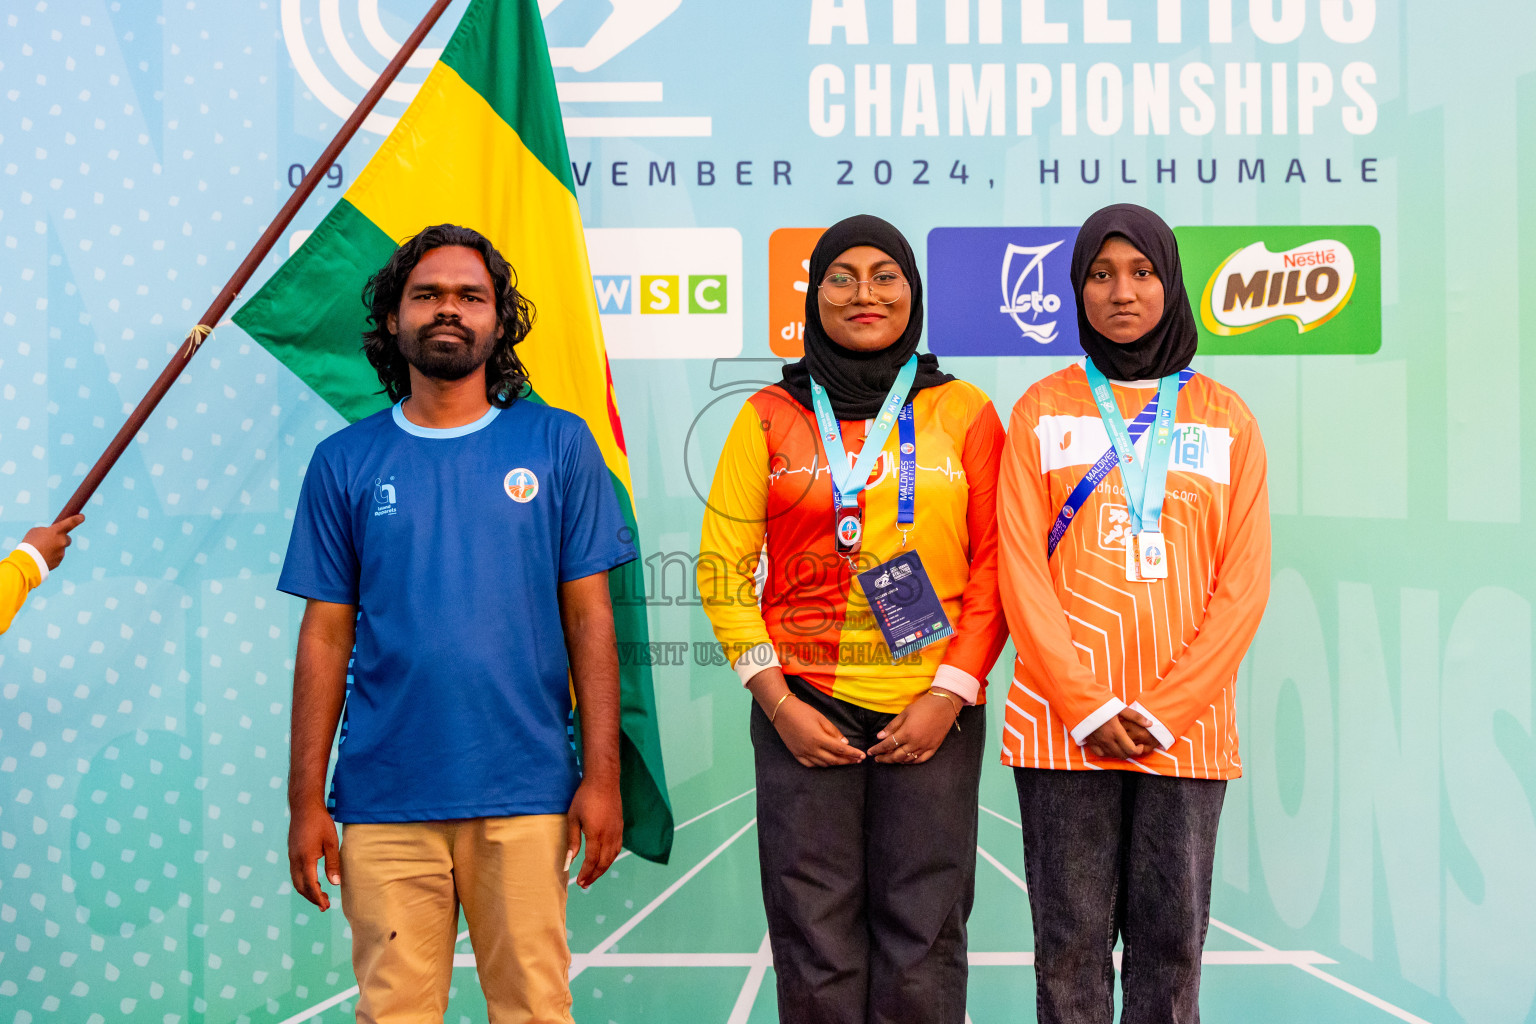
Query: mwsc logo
{"points": [[667, 293], [661, 293]]}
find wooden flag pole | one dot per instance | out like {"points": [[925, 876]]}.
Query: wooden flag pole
{"points": [[242, 274]]}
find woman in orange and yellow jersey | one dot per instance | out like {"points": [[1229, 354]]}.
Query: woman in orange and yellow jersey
{"points": [[867, 479], [1134, 524]]}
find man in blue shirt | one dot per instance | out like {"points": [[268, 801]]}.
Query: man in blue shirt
{"points": [[455, 549]]}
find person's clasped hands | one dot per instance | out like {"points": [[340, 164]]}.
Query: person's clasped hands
{"points": [[1127, 735]]}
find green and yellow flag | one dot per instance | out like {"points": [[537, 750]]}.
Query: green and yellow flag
{"points": [[482, 145]]}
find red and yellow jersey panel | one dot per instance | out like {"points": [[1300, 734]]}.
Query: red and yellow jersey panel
{"points": [[1085, 635], [772, 495]]}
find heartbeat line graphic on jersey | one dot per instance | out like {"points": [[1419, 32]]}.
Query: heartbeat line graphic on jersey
{"points": [[819, 469]]}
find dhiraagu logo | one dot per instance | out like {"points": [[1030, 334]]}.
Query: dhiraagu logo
{"points": [[1284, 291], [668, 292]]}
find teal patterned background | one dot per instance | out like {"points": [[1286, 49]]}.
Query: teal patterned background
{"points": [[1374, 864]]}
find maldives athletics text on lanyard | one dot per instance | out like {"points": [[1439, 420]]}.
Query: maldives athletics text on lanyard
{"points": [[847, 482], [1146, 552]]}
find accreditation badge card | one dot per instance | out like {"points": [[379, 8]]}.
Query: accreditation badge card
{"points": [[904, 603]]}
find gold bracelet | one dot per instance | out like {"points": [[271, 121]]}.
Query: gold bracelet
{"points": [[775, 712], [952, 699]]}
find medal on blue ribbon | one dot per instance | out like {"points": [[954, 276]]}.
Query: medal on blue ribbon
{"points": [[848, 481], [1146, 550]]}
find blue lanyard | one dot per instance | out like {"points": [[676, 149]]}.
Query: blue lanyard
{"points": [[1146, 484], [848, 482], [906, 479], [1101, 469]]}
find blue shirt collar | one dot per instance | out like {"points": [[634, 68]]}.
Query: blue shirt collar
{"points": [[441, 433]]}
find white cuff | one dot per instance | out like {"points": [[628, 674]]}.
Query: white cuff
{"points": [[37, 556], [754, 660], [1158, 730], [958, 682], [1085, 728]]}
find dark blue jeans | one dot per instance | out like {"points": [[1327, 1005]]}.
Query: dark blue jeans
{"points": [[869, 871], [1118, 853]]}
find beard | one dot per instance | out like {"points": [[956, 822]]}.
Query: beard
{"points": [[445, 351]]}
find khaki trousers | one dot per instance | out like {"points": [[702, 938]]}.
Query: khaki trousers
{"points": [[401, 888]]}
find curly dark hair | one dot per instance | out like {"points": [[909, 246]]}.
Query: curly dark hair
{"points": [[506, 379]]}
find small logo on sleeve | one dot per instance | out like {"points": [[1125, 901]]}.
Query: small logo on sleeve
{"points": [[521, 485]]}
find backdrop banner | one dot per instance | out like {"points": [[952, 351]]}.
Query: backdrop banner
{"points": [[1353, 187]]}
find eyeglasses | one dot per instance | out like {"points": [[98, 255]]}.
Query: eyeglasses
{"points": [[885, 287]]}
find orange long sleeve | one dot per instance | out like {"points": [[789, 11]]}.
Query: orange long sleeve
{"points": [[1201, 673], [1090, 641], [1048, 662]]}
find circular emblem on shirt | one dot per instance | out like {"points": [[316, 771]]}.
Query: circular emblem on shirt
{"points": [[849, 529], [521, 485], [908, 448]]}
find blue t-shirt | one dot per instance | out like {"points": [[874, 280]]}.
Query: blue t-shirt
{"points": [[453, 543]]}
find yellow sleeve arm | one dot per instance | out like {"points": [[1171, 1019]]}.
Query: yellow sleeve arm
{"points": [[732, 541], [18, 575]]}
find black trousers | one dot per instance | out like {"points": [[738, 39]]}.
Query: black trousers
{"points": [[869, 872], [1118, 853]]}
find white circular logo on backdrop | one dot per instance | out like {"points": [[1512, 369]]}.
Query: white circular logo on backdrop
{"points": [[345, 63], [348, 74]]}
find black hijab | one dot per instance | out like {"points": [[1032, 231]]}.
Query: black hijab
{"points": [[857, 382], [1170, 345]]}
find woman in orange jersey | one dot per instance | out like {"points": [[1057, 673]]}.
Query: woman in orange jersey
{"points": [[867, 461], [1134, 567]]}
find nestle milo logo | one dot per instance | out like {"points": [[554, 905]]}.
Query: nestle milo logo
{"points": [[1253, 287], [1285, 290]]}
